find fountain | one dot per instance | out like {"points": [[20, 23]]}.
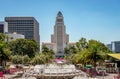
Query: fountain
{"points": [[53, 71]]}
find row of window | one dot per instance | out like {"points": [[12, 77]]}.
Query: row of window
{"points": [[15, 30], [23, 25], [19, 27], [19, 20], [23, 32], [20, 23]]}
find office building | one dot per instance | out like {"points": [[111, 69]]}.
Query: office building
{"points": [[109, 46], [27, 26], [3, 27], [114, 46]]}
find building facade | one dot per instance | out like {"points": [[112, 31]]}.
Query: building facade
{"points": [[60, 39], [3, 27], [109, 46], [27, 26], [114, 46]]}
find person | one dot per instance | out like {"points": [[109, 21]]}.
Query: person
{"points": [[2, 75]]}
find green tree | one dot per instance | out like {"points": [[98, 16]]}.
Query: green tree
{"points": [[66, 50], [4, 52], [45, 49], [69, 51], [16, 59], [97, 52], [95, 55], [72, 49], [2, 37], [18, 46], [82, 44], [39, 59], [101, 46], [27, 47], [49, 53], [94, 52], [33, 47], [26, 59], [81, 57]]}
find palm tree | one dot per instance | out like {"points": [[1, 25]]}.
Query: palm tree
{"points": [[95, 55], [81, 57], [38, 59], [96, 52]]}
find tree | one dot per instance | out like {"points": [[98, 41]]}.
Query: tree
{"points": [[4, 52], [18, 46], [81, 57], [82, 44], [27, 47], [48, 52], [100, 46], [2, 37], [70, 50], [97, 52], [18, 59], [26, 59], [39, 59], [95, 55], [45, 49], [33, 47], [66, 50], [93, 52]]}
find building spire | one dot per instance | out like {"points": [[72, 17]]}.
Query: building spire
{"points": [[59, 14]]}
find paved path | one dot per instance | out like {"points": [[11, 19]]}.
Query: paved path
{"points": [[9, 76], [110, 76]]}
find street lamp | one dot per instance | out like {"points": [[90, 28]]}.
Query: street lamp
{"points": [[22, 66], [22, 59]]}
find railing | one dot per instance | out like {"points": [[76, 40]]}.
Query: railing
{"points": [[112, 70]]}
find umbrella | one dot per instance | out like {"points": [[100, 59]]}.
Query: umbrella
{"points": [[12, 66]]}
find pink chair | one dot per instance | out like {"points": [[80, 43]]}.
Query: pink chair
{"points": [[2, 75]]}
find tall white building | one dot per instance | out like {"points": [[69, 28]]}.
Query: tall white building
{"points": [[59, 40]]}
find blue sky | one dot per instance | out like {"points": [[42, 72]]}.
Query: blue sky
{"points": [[92, 19]]}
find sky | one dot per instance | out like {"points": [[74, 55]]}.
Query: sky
{"points": [[91, 19]]}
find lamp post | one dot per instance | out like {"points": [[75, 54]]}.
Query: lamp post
{"points": [[22, 66]]}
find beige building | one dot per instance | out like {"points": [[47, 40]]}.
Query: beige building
{"points": [[59, 40], [27, 26]]}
